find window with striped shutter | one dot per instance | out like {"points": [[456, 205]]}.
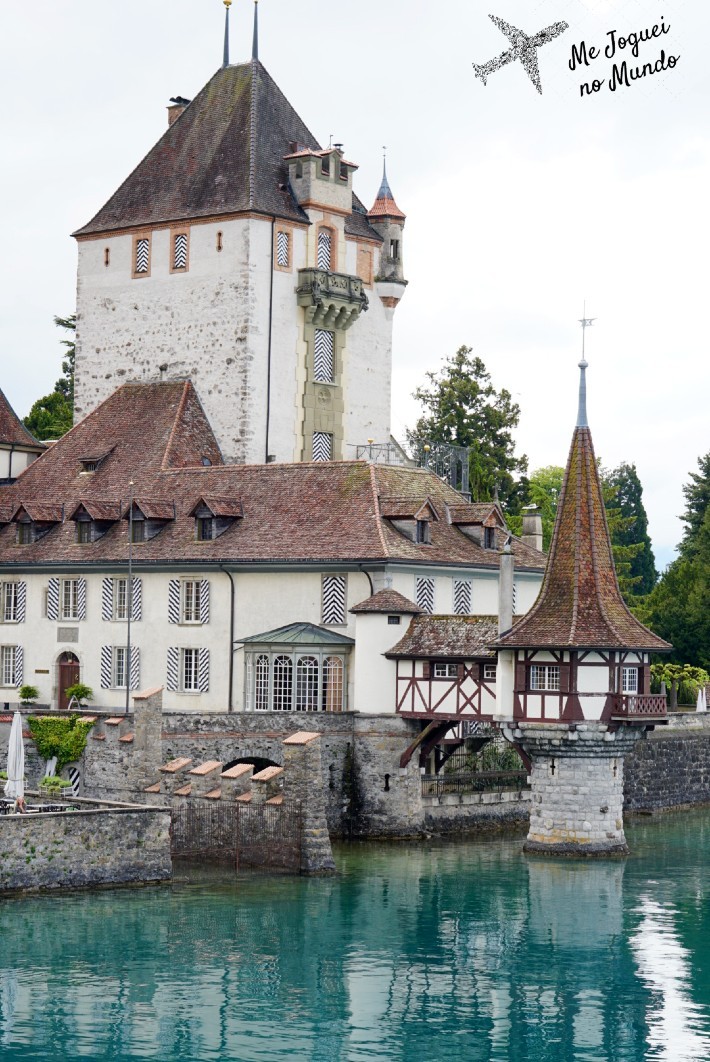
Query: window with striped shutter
{"points": [[106, 602], [203, 675], [323, 356], [424, 593], [81, 599], [322, 446], [462, 597], [325, 248], [106, 667], [135, 667], [334, 600], [53, 599], [174, 602], [204, 601], [179, 251], [142, 262], [172, 673], [137, 601], [283, 249], [19, 665]]}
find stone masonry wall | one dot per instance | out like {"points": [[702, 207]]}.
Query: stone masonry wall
{"points": [[96, 846], [671, 768]]}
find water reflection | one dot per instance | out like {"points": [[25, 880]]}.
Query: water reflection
{"points": [[464, 951]]}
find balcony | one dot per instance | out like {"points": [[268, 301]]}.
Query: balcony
{"points": [[331, 300], [642, 707]]}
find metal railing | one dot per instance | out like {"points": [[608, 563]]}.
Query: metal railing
{"points": [[479, 782], [259, 835]]}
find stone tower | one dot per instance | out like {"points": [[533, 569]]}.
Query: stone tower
{"points": [[237, 255], [574, 675]]}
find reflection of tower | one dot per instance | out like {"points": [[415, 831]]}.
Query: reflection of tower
{"points": [[574, 672]]}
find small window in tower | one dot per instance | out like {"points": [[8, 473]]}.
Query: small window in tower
{"points": [[325, 248], [364, 264], [107, 256], [220, 243], [394, 249], [180, 252], [299, 169], [142, 257], [323, 359], [283, 249], [322, 446], [325, 165], [343, 172]]}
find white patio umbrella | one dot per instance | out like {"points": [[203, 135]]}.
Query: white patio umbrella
{"points": [[15, 785], [699, 702]]}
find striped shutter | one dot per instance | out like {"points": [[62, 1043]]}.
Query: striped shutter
{"points": [[334, 592], [137, 602], [135, 667], [174, 602], [515, 599], [424, 593], [180, 251], [53, 599], [462, 597], [324, 249], [107, 599], [203, 672], [204, 600], [21, 602], [322, 446], [323, 361], [106, 667], [81, 599], [19, 665], [142, 255], [172, 674], [282, 249]]}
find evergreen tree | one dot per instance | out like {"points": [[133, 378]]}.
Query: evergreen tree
{"points": [[697, 498], [50, 417], [65, 384], [462, 408], [628, 500]]}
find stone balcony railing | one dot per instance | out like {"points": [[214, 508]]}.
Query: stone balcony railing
{"points": [[639, 706], [331, 300]]}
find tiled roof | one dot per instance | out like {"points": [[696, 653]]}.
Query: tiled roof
{"points": [[405, 508], [97, 510], [41, 512], [153, 510], [460, 637], [298, 634], [12, 430], [580, 604], [322, 512], [388, 601], [219, 506], [384, 205], [472, 513], [224, 155]]}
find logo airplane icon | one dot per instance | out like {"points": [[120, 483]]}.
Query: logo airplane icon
{"points": [[524, 48]]}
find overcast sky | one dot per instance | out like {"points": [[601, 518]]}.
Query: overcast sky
{"points": [[519, 205]]}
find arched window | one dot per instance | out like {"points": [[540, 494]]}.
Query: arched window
{"points": [[307, 684], [333, 684], [325, 248], [261, 683], [283, 683]]}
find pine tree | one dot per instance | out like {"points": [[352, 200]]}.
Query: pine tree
{"points": [[462, 408], [697, 499], [634, 532], [52, 416]]}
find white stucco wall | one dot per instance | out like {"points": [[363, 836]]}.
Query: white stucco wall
{"points": [[375, 675], [13, 462]]}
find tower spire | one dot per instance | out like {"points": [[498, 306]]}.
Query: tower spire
{"points": [[255, 38], [582, 422], [227, 5]]}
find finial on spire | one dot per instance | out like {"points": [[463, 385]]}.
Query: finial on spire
{"points": [[255, 38], [227, 5], [582, 422]]}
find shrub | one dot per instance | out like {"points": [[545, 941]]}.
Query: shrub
{"points": [[80, 691], [52, 782], [64, 738], [28, 694]]}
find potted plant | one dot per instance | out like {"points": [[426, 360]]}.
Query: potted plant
{"points": [[52, 786], [79, 693], [28, 695]]}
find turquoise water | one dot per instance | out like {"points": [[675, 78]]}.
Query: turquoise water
{"points": [[458, 951]]}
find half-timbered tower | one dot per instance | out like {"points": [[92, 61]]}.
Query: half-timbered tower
{"points": [[238, 256], [573, 674]]}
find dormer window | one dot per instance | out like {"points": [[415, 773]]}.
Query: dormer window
{"points": [[83, 531], [137, 529], [423, 534], [92, 462], [90, 466], [25, 533], [147, 519], [489, 538], [412, 517], [93, 520], [213, 516], [36, 521]]}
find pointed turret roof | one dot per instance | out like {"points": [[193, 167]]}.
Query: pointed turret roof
{"points": [[580, 604], [384, 205], [12, 430]]}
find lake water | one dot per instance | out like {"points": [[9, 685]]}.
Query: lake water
{"points": [[452, 951]]}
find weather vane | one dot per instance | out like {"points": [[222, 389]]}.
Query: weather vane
{"points": [[524, 48], [586, 322]]}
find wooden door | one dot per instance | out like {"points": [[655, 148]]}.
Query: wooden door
{"points": [[68, 676]]}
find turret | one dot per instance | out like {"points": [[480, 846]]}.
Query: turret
{"points": [[387, 220]]}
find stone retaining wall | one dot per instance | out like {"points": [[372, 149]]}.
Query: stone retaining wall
{"points": [[671, 768], [98, 845], [476, 812]]}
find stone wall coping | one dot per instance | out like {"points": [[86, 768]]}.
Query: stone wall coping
{"points": [[303, 737], [114, 720], [185, 791], [214, 794], [206, 768], [238, 770], [267, 774], [153, 788], [127, 739], [245, 798], [88, 808], [176, 765], [145, 694], [276, 801]]}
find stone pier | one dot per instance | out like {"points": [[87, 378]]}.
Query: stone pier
{"points": [[577, 783]]}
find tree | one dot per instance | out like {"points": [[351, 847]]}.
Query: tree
{"points": [[628, 500], [544, 489], [680, 675], [697, 499], [50, 417], [462, 408]]}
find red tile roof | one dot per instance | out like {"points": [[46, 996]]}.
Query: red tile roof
{"points": [[457, 637], [12, 430], [296, 513], [388, 601], [580, 604]]}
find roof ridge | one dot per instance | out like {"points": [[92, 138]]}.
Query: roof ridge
{"points": [[378, 514], [252, 131], [176, 420]]}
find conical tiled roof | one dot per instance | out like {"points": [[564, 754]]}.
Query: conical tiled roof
{"points": [[385, 206], [12, 430], [580, 604]]}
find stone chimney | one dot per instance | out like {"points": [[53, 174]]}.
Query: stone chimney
{"points": [[505, 589], [177, 106], [532, 527]]}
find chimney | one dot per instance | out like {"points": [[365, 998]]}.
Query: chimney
{"points": [[532, 527], [177, 106], [505, 589]]}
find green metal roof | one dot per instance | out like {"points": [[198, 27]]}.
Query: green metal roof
{"points": [[298, 634]]}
